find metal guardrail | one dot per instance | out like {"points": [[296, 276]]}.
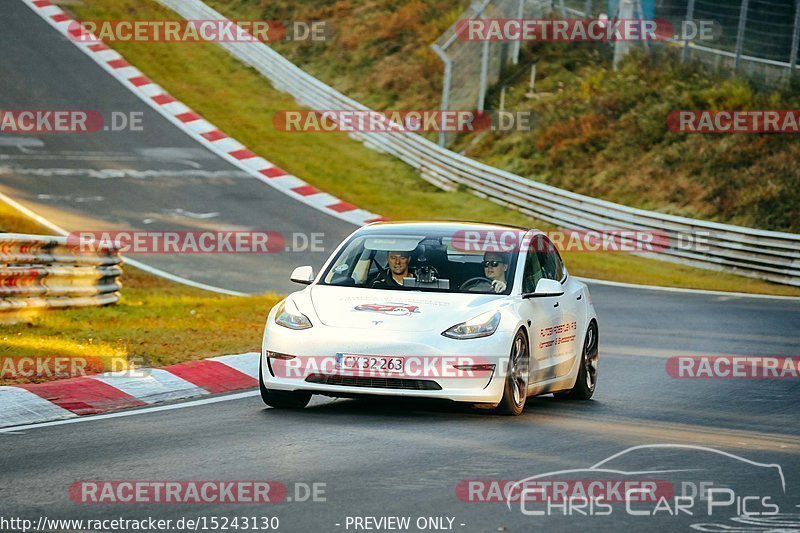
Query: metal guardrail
{"points": [[42, 271], [768, 255]]}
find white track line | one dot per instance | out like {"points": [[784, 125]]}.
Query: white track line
{"points": [[687, 291]]}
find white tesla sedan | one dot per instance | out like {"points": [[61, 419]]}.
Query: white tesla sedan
{"points": [[466, 312]]}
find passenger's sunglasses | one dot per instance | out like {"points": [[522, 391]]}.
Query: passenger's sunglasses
{"points": [[492, 264]]}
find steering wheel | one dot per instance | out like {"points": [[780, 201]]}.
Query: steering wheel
{"points": [[474, 282]]}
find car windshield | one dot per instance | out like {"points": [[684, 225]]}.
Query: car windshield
{"points": [[424, 262]]}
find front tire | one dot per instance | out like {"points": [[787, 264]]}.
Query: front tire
{"points": [[515, 391], [586, 381], [280, 399]]}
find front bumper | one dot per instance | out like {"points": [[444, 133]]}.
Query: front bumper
{"points": [[429, 357]]}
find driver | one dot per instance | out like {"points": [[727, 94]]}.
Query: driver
{"points": [[495, 265], [397, 263]]}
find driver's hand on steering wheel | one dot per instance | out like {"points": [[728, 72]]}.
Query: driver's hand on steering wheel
{"points": [[498, 285]]}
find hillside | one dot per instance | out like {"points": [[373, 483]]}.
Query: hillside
{"points": [[597, 132]]}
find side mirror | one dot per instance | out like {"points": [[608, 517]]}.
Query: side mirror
{"points": [[546, 288], [303, 275]]}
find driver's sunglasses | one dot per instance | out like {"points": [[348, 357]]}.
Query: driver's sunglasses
{"points": [[492, 264]]}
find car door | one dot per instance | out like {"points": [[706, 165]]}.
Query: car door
{"points": [[545, 316], [566, 335]]}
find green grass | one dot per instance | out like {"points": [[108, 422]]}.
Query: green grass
{"points": [[157, 322], [242, 103]]}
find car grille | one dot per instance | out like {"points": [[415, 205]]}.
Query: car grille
{"points": [[377, 383]]}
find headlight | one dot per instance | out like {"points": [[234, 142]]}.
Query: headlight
{"points": [[482, 325], [289, 316]]}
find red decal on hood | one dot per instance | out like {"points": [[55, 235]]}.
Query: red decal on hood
{"points": [[389, 309]]}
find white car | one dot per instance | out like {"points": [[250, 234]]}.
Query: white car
{"points": [[467, 312]]}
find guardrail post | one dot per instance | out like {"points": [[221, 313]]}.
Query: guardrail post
{"points": [[795, 39], [740, 34], [587, 8], [484, 75], [448, 74], [689, 18], [530, 93], [518, 43], [621, 48]]}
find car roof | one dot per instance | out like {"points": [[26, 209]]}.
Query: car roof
{"points": [[436, 226]]}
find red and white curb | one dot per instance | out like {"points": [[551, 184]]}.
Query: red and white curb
{"points": [[193, 124], [90, 395]]}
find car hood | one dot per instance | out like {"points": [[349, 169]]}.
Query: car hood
{"points": [[395, 310]]}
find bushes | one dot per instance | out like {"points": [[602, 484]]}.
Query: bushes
{"points": [[604, 133]]}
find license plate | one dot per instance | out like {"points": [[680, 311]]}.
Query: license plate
{"points": [[369, 364]]}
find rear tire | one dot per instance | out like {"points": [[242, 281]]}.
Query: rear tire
{"points": [[281, 399], [515, 391], [586, 381]]}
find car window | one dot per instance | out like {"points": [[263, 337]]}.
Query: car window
{"points": [[532, 272], [345, 265], [434, 263], [560, 270], [550, 261], [542, 261]]}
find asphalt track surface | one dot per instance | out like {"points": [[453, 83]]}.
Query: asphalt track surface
{"points": [[376, 458]]}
